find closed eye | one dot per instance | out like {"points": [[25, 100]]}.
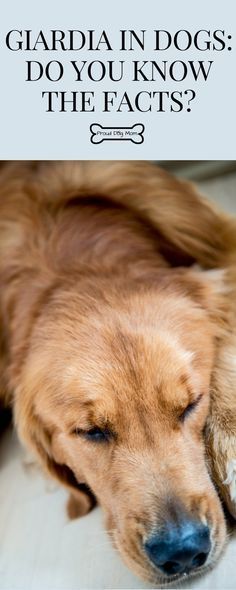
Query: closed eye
{"points": [[189, 409], [95, 434]]}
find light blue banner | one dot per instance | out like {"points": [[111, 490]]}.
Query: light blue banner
{"points": [[111, 80]]}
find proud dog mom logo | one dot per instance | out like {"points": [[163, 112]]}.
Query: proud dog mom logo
{"points": [[100, 133]]}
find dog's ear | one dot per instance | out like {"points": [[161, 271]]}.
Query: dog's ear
{"points": [[39, 439]]}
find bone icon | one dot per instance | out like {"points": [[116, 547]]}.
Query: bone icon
{"points": [[100, 133]]}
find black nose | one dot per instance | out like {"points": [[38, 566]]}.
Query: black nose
{"points": [[179, 549]]}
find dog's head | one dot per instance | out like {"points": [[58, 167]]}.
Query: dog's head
{"points": [[113, 392]]}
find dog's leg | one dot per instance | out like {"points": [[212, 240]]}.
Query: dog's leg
{"points": [[221, 431], [231, 479]]}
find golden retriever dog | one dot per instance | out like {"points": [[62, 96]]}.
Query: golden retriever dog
{"points": [[118, 339]]}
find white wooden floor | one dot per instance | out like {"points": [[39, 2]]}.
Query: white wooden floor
{"points": [[41, 550]]}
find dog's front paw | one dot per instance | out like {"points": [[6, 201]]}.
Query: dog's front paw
{"points": [[230, 483], [221, 451]]}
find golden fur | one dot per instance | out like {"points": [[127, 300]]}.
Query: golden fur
{"points": [[104, 323]]}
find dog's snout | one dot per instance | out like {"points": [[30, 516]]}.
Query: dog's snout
{"points": [[179, 549]]}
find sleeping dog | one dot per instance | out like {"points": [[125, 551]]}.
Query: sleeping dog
{"points": [[117, 352]]}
